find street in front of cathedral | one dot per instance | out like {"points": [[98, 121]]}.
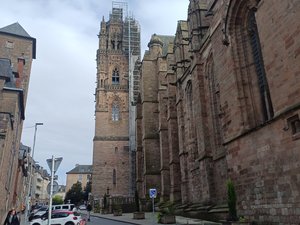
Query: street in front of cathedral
{"points": [[102, 221]]}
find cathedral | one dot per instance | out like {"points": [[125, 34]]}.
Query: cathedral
{"points": [[114, 140], [219, 101], [216, 102]]}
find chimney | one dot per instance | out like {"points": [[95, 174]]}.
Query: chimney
{"points": [[19, 80]]}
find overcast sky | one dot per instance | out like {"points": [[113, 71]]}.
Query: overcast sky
{"points": [[63, 75]]}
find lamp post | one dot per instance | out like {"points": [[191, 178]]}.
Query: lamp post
{"points": [[30, 174]]}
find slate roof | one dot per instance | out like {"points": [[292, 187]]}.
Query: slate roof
{"points": [[166, 39], [81, 169], [15, 29]]}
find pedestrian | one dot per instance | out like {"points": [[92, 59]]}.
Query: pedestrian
{"points": [[75, 209], [89, 209], [12, 218]]}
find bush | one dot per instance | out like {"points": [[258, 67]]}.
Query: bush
{"points": [[96, 207], [231, 201]]}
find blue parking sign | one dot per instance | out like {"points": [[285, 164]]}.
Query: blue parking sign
{"points": [[152, 193]]}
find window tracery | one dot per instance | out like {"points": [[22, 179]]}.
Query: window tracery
{"points": [[115, 112], [115, 76]]}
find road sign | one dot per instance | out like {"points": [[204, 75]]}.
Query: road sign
{"points": [[152, 193], [55, 187], [57, 162]]}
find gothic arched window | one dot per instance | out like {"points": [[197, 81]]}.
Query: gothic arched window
{"points": [[190, 118], [115, 112], [189, 108], [115, 76], [266, 104], [214, 109], [254, 94]]}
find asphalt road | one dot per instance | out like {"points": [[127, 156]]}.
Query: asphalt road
{"points": [[101, 221]]}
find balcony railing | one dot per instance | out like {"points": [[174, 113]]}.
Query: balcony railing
{"points": [[115, 87]]}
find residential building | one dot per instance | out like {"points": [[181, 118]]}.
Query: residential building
{"points": [[81, 173], [40, 181], [61, 191], [17, 50]]}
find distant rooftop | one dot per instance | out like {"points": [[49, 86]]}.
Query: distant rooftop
{"points": [[81, 169], [166, 39], [15, 29]]}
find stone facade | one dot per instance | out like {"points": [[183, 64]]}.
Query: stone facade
{"points": [[112, 166], [223, 103], [17, 50]]}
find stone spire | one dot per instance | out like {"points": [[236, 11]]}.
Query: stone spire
{"points": [[155, 45], [103, 26]]}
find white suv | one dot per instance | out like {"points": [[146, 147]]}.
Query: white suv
{"points": [[61, 217]]}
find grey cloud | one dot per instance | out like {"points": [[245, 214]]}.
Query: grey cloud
{"points": [[63, 76]]}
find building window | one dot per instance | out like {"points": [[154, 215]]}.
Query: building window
{"points": [[190, 114], [296, 126], [190, 118], [116, 149], [254, 98], [214, 99], [294, 123], [115, 76], [115, 112], [9, 44], [114, 177], [80, 178], [266, 104]]}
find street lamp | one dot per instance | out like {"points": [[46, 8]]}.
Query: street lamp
{"points": [[30, 174]]}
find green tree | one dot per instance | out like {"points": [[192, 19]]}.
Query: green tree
{"points": [[75, 194], [57, 200], [87, 190]]}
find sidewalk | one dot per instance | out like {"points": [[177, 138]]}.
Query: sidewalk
{"points": [[150, 219]]}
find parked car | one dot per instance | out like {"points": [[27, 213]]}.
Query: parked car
{"points": [[61, 217], [37, 214], [64, 207], [44, 209], [82, 207], [35, 208]]}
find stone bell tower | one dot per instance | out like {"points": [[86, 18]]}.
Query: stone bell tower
{"points": [[113, 149]]}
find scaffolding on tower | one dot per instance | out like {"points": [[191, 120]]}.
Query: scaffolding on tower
{"points": [[131, 46]]}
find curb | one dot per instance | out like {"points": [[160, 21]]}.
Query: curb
{"points": [[114, 219]]}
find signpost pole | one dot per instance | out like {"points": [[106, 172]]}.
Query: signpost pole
{"points": [[53, 165], [153, 206], [51, 190], [153, 194]]}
